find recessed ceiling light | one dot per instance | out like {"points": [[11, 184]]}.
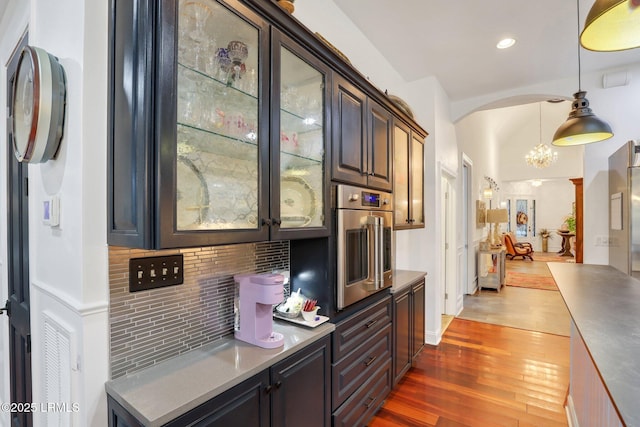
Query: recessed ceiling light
{"points": [[505, 43]]}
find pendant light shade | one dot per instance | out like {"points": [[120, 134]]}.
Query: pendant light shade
{"points": [[612, 25], [582, 126]]}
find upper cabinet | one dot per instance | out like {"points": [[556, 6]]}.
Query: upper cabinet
{"points": [[220, 117], [362, 140], [408, 180], [220, 136]]}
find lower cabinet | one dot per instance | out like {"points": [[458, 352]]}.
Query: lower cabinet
{"points": [[408, 327], [293, 392], [362, 365]]}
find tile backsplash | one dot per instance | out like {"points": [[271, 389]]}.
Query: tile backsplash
{"points": [[150, 326]]}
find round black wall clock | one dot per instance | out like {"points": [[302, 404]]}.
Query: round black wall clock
{"points": [[38, 106]]}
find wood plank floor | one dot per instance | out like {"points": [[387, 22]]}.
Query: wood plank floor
{"points": [[483, 375]]}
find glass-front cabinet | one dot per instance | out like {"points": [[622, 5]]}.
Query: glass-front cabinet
{"points": [[228, 121], [299, 139], [408, 181]]}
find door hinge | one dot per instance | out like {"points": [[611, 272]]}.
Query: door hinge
{"points": [[26, 187], [29, 343], [6, 308], [446, 295]]}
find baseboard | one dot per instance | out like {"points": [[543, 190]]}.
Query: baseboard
{"points": [[432, 338], [572, 419]]}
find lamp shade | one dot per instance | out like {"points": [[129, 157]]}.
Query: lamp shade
{"points": [[612, 25], [582, 126], [497, 215]]}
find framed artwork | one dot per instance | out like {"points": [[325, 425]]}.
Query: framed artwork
{"points": [[481, 213]]}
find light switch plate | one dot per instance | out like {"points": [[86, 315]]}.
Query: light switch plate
{"points": [[155, 272]]}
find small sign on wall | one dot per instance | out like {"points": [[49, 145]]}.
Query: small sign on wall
{"points": [[616, 211]]}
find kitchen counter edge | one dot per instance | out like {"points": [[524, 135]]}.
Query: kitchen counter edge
{"points": [[404, 278], [162, 392], [604, 304]]}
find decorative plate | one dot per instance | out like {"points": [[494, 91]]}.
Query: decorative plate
{"points": [[192, 196], [401, 104], [297, 202]]}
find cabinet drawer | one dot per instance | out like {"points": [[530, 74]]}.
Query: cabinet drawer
{"points": [[352, 332], [362, 405], [352, 371]]}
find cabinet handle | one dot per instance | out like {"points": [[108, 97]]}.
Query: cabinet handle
{"points": [[370, 361], [370, 402], [408, 221], [278, 384], [267, 389], [371, 323], [276, 221], [266, 221]]}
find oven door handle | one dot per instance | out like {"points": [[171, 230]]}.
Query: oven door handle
{"points": [[377, 250]]}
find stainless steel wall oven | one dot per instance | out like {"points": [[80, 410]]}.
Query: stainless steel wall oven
{"points": [[364, 243]]}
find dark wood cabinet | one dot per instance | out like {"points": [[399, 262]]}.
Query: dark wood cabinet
{"points": [[361, 364], [408, 327], [293, 392], [418, 291], [362, 140], [402, 338], [301, 394], [408, 188], [218, 127]]}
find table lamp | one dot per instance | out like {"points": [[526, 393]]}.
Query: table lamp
{"points": [[495, 217]]}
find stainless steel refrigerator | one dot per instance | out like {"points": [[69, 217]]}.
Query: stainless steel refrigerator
{"points": [[624, 209]]}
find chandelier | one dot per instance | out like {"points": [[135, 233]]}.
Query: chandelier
{"points": [[541, 156]]}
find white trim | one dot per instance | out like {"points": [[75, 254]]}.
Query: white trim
{"points": [[71, 303], [432, 338], [572, 418], [447, 171]]}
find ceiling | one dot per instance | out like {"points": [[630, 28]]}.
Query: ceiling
{"points": [[3, 6], [454, 40]]}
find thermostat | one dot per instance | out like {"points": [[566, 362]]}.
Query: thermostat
{"points": [[51, 211]]}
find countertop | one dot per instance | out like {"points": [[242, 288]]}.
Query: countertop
{"points": [[605, 304], [403, 278], [162, 392]]}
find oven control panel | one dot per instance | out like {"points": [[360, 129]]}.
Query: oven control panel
{"points": [[350, 197]]}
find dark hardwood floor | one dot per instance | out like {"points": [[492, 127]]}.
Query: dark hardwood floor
{"points": [[483, 375]]}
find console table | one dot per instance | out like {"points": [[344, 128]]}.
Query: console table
{"points": [[491, 268], [566, 243]]}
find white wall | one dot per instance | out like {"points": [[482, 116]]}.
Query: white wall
{"points": [[68, 264], [554, 200]]}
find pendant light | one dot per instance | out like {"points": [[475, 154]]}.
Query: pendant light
{"points": [[612, 25], [582, 126]]}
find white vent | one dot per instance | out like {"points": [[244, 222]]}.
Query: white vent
{"points": [[57, 372]]}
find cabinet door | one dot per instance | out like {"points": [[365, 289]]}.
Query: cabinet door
{"points": [[379, 157], [349, 151], [301, 386], [213, 118], [299, 142], [402, 339], [401, 144], [417, 182], [418, 317], [246, 405]]}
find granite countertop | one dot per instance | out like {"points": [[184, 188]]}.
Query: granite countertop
{"points": [[404, 278], [605, 304], [164, 391]]}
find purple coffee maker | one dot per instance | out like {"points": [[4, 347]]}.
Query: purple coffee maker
{"points": [[257, 295]]}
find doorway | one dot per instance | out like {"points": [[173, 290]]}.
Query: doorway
{"points": [[449, 294], [18, 304]]}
